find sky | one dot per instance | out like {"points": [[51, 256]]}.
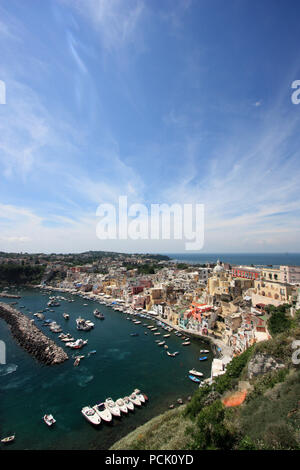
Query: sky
{"points": [[164, 101]]}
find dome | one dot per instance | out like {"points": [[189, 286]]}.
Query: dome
{"points": [[218, 268]]}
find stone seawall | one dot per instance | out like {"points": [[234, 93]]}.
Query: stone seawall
{"points": [[31, 338]]}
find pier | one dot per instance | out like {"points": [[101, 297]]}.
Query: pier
{"points": [[30, 338]]}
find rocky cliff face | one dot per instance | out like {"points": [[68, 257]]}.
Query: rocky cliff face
{"points": [[263, 363], [31, 338]]}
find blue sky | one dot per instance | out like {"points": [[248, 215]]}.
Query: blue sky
{"points": [[172, 101]]}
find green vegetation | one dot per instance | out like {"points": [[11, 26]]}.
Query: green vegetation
{"points": [[21, 274], [280, 319], [143, 268]]}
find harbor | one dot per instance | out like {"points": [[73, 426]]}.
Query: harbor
{"points": [[114, 364]]}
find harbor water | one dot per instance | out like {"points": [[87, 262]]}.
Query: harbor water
{"points": [[122, 362]]}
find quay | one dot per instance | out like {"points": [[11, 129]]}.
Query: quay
{"points": [[30, 338]]}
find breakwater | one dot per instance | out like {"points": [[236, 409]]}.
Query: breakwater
{"points": [[31, 338]]}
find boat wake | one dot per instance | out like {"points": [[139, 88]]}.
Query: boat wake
{"points": [[6, 369]]}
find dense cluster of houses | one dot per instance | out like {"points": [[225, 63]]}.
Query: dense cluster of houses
{"points": [[218, 301]]}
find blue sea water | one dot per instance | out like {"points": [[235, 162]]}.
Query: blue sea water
{"points": [[257, 259], [28, 389]]}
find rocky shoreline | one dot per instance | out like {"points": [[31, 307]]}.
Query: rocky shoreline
{"points": [[9, 296], [31, 338]]}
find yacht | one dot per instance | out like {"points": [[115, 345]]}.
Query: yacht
{"points": [[139, 395], [134, 399], [49, 420], [128, 403], [91, 415], [103, 412], [112, 407], [122, 405], [195, 372]]}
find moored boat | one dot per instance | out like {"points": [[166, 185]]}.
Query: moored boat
{"points": [[203, 358], [194, 379], [128, 403], [140, 395], [91, 415], [196, 373], [122, 405], [112, 407], [103, 412], [135, 400]]}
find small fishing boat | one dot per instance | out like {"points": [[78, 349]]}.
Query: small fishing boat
{"points": [[49, 420], [122, 405], [166, 346], [161, 343], [103, 412], [128, 403], [186, 343], [204, 358], [135, 400], [204, 351], [167, 336], [7, 440], [91, 415], [156, 334], [134, 334], [98, 314], [66, 316], [77, 362], [112, 407], [194, 379], [140, 395], [195, 372]]}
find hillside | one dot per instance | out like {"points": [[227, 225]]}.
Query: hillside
{"points": [[268, 418]]}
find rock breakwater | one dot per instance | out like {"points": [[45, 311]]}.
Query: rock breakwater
{"points": [[31, 338]]}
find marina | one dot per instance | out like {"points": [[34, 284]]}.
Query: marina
{"points": [[114, 363]]}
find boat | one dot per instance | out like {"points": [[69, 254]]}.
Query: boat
{"points": [[98, 314], [194, 379], [77, 361], [195, 372], [66, 316], [156, 334], [112, 407], [186, 343], [91, 415], [167, 336], [122, 405], [134, 334], [49, 420], [103, 412], [204, 351], [203, 358], [7, 440], [78, 344], [128, 403], [171, 354], [134, 399], [139, 395], [161, 343]]}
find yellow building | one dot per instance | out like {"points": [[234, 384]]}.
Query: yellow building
{"points": [[271, 274], [271, 292]]}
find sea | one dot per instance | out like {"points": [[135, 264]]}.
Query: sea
{"points": [[246, 259], [122, 362]]}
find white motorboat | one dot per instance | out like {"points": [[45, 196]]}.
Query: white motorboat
{"points": [[128, 403], [7, 440], [66, 316], [91, 415], [195, 372], [103, 412], [122, 405], [49, 420], [186, 343], [113, 407], [139, 395], [79, 343], [135, 400], [204, 351], [167, 336]]}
